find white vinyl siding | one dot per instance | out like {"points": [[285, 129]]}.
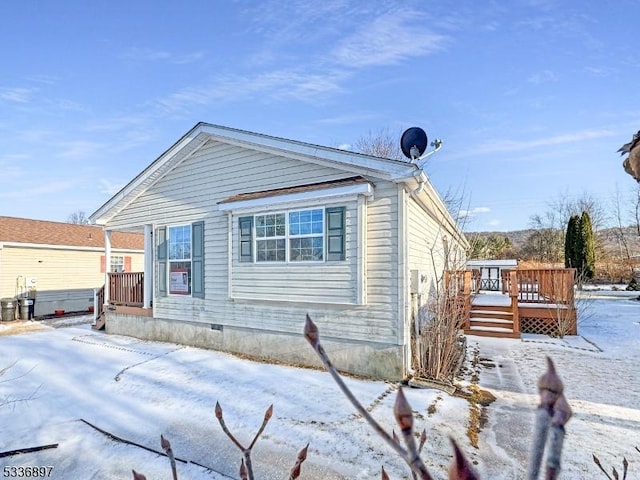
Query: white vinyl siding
{"points": [[328, 291], [429, 244]]}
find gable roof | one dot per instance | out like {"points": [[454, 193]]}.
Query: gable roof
{"points": [[42, 232], [357, 163]]}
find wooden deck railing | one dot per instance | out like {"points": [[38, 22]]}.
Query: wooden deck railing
{"points": [[541, 300], [545, 285], [505, 277], [126, 288]]}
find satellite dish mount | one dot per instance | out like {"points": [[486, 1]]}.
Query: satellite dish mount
{"points": [[414, 142]]}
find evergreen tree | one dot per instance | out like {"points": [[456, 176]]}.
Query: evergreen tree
{"points": [[570, 240], [587, 250]]}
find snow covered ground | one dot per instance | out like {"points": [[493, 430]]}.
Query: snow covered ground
{"points": [[70, 378]]}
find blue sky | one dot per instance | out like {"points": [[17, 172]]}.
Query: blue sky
{"points": [[531, 98]]}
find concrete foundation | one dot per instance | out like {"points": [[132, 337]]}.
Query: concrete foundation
{"points": [[382, 361]]}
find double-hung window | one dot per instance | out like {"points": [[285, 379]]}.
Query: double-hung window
{"points": [[180, 260], [271, 237], [305, 235], [117, 263], [179, 244]]}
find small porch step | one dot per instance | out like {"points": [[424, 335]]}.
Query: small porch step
{"points": [[502, 314], [100, 322], [478, 322], [502, 333]]}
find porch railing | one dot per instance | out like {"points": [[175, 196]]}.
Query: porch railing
{"points": [[126, 288], [545, 285]]}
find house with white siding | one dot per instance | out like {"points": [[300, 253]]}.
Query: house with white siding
{"points": [[247, 233]]}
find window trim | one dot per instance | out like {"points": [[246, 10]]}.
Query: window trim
{"points": [[169, 261], [324, 209], [287, 237], [112, 263], [307, 235]]}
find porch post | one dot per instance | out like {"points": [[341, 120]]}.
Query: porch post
{"points": [[107, 264], [148, 266]]}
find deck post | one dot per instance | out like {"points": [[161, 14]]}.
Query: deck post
{"points": [[95, 305], [107, 264], [148, 266], [513, 292], [467, 299]]}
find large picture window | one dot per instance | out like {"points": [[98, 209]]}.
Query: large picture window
{"points": [[308, 235], [179, 246]]}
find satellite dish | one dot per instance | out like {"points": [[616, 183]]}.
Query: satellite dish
{"points": [[413, 143]]}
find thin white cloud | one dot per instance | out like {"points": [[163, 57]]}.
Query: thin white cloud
{"points": [[34, 191], [109, 187], [150, 55], [17, 94], [79, 149], [352, 118], [473, 212], [387, 40], [519, 145], [494, 223], [268, 86], [545, 76]]}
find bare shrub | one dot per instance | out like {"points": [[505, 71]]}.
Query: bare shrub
{"points": [[436, 343]]}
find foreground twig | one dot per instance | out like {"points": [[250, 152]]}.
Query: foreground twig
{"points": [[246, 467], [138, 476], [166, 446], [625, 467], [553, 413], [460, 468], [302, 456], [410, 456]]}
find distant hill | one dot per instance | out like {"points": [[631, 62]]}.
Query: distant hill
{"points": [[517, 237], [609, 239]]}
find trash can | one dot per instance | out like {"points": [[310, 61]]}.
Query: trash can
{"points": [[25, 303], [7, 309]]}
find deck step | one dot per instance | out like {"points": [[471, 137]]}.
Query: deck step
{"points": [[504, 333], [491, 314], [491, 322], [100, 322]]}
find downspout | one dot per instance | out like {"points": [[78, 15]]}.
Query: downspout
{"points": [[421, 178]]}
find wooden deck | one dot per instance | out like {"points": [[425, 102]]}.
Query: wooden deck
{"points": [[533, 301], [126, 294]]}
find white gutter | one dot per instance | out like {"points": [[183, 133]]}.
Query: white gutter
{"points": [[65, 247]]}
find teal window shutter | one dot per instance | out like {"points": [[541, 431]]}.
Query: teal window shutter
{"points": [[245, 236], [161, 258], [197, 260], [335, 221]]}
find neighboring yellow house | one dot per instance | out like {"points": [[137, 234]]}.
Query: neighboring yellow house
{"points": [[63, 262]]}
